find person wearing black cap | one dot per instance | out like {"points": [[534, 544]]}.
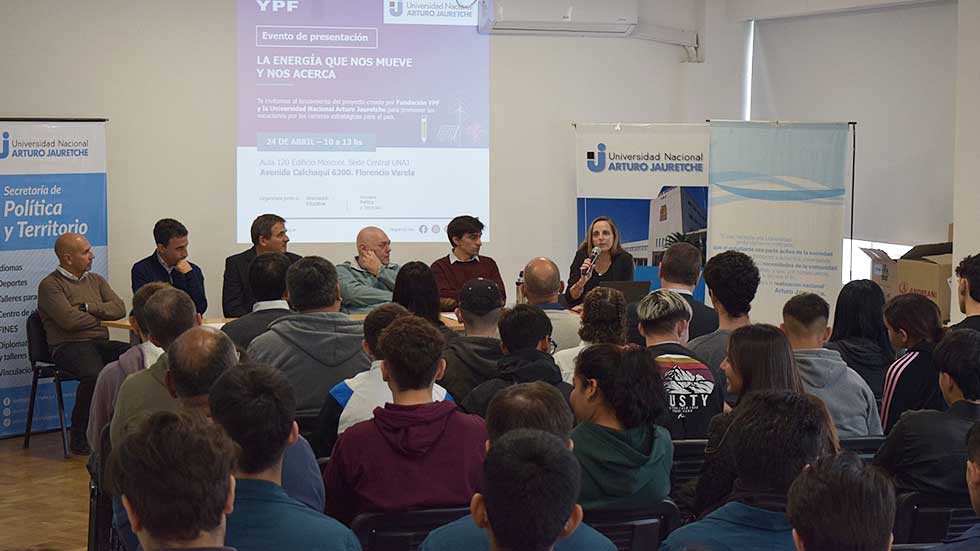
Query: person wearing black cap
{"points": [[472, 359], [354, 400]]}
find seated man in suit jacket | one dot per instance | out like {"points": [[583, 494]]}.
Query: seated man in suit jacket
{"points": [[169, 264], [680, 270], [268, 236], [267, 276]]}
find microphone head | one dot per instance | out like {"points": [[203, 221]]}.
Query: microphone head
{"points": [[596, 250]]}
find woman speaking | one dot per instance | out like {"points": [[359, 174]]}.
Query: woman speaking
{"points": [[587, 271]]}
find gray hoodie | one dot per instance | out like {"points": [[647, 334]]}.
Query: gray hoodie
{"points": [[315, 351], [847, 395]]}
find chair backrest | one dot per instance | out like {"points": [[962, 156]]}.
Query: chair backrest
{"points": [[866, 446], [37, 340], [925, 518], [636, 530], [401, 531], [688, 459]]}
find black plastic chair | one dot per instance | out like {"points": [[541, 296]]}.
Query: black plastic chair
{"points": [[925, 518], [866, 446], [636, 530], [401, 531], [688, 459], [39, 356]]}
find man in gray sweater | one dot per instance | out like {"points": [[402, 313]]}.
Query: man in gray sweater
{"points": [[825, 375], [317, 347]]}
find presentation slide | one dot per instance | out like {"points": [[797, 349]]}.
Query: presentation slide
{"points": [[362, 112]]}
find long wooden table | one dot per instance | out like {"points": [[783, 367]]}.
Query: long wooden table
{"points": [[218, 322]]}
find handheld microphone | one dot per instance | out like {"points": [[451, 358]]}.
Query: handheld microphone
{"points": [[592, 258]]}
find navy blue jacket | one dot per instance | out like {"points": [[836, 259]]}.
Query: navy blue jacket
{"points": [[149, 269]]}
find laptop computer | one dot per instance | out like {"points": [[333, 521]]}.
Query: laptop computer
{"points": [[634, 291]]}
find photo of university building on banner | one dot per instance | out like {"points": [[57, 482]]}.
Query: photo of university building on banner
{"points": [[53, 180]]}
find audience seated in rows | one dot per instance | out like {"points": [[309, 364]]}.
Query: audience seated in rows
{"points": [[532, 481], [773, 435], [543, 287], [472, 359], [824, 373], [355, 399], [968, 292], [860, 335], [416, 290], [256, 406], [135, 359], [913, 323], [732, 279], [759, 359], [603, 321], [693, 396], [679, 271], [525, 335], [267, 278], [318, 346], [625, 456], [970, 540], [463, 262], [268, 233], [924, 451], [169, 264], [370, 279], [840, 504], [174, 476], [168, 314], [415, 453], [537, 406]]}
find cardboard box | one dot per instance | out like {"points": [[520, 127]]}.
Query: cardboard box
{"points": [[924, 270]]}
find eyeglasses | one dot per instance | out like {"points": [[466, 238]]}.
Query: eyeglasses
{"points": [[552, 346]]}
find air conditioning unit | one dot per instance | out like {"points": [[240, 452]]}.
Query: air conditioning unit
{"points": [[610, 18]]}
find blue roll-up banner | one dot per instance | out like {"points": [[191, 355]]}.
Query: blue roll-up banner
{"points": [[53, 179], [777, 194]]}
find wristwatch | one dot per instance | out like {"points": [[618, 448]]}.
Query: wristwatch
{"points": [[83, 307]]}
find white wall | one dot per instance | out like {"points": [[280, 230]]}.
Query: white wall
{"points": [[164, 74], [894, 72]]}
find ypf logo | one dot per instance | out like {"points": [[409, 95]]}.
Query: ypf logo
{"points": [[5, 145], [277, 5], [396, 8], [597, 161]]}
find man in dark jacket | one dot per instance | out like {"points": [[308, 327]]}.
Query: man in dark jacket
{"points": [[680, 270], [472, 359], [415, 453], [925, 451], [525, 334], [693, 395], [267, 277], [169, 264], [268, 235]]}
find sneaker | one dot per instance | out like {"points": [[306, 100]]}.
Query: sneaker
{"points": [[78, 444]]}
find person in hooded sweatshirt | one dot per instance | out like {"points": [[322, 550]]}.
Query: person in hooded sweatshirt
{"points": [[318, 346], [859, 333], [625, 456], [693, 396], [824, 374], [913, 323], [472, 359], [354, 400], [525, 335], [415, 453]]}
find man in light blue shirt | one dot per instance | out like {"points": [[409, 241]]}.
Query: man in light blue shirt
{"points": [[370, 279], [538, 406]]}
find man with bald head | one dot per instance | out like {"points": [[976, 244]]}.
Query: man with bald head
{"points": [[369, 280], [543, 288], [72, 303]]}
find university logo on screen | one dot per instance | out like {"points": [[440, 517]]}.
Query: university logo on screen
{"points": [[601, 160], [5, 145], [396, 8]]}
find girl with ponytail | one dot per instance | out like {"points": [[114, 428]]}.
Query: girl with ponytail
{"points": [[618, 396]]}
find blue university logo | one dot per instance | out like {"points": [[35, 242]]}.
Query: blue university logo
{"points": [[5, 146], [396, 8], [597, 161]]}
